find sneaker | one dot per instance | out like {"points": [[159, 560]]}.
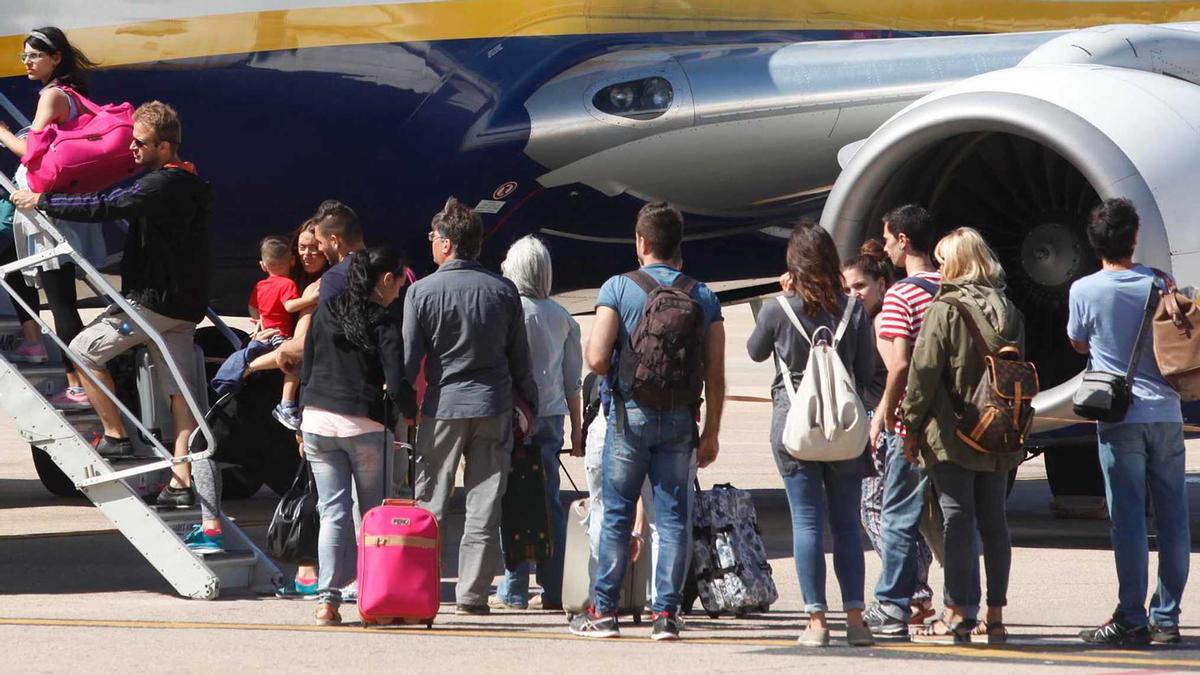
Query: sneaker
{"points": [[350, 593], [203, 541], [107, 446], [1165, 635], [71, 398], [590, 625], [294, 589], [666, 627], [881, 624], [28, 352], [288, 416], [1117, 632], [495, 602], [472, 610], [179, 498]]}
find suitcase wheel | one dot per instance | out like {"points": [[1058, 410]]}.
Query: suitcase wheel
{"points": [[714, 615], [429, 624], [367, 623], [637, 618]]}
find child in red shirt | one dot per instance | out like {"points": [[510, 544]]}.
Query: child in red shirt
{"points": [[271, 306]]}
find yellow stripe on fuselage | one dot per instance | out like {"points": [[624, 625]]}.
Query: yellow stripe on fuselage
{"points": [[203, 36]]}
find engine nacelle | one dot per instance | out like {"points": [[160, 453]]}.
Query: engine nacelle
{"points": [[1023, 154]]}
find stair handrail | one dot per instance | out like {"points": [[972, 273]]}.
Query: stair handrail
{"points": [[63, 248]]}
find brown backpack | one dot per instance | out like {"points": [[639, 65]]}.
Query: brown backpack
{"points": [[998, 416], [1176, 329], [663, 364]]}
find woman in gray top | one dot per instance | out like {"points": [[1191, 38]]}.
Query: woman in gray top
{"points": [[817, 488], [556, 358]]}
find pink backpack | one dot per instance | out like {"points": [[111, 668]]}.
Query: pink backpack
{"points": [[86, 154]]}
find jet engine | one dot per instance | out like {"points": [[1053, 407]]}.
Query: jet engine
{"points": [[1023, 154]]}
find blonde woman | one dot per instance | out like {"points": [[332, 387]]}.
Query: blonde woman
{"points": [[971, 485]]}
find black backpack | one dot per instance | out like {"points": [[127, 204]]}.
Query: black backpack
{"points": [[663, 364]]}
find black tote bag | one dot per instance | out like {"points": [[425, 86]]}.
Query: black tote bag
{"points": [[292, 535]]}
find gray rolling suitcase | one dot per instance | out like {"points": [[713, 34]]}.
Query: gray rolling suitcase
{"points": [[578, 566]]}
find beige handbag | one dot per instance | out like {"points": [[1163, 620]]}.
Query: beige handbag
{"points": [[1177, 341]]}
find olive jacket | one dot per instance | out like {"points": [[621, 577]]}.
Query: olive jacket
{"points": [[945, 343]]}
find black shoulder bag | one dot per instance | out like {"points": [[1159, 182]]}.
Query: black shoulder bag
{"points": [[1105, 396]]}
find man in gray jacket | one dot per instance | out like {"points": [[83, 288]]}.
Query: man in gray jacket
{"points": [[468, 326]]}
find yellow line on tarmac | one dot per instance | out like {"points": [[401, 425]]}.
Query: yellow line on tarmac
{"points": [[1014, 652]]}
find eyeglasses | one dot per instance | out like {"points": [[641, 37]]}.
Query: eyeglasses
{"points": [[141, 144], [434, 236], [26, 57]]}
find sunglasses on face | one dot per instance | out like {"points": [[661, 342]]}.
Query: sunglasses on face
{"points": [[141, 144]]}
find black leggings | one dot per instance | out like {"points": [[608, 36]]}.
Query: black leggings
{"points": [[61, 294], [17, 281]]}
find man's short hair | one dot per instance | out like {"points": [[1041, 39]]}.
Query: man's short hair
{"points": [[274, 249], [329, 206], [162, 118], [462, 227], [914, 222], [337, 219], [661, 225], [1112, 229]]}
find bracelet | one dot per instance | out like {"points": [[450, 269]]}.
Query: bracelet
{"points": [[636, 535]]}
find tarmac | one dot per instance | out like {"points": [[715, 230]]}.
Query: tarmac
{"points": [[75, 596]]}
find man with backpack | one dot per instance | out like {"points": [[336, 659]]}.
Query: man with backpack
{"points": [[1143, 450], [908, 239], [658, 337]]}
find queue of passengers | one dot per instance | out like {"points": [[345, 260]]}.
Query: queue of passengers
{"points": [[329, 312]]}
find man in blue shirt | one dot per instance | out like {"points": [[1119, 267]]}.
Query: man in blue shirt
{"points": [[645, 441], [1146, 448]]}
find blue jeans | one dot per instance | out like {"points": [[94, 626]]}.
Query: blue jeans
{"points": [[660, 444], [514, 588], [809, 490], [1134, 456], [335, 461], [903, 498]]}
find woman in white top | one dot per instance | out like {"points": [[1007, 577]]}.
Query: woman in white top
{"points": [[51, 60], [557, 358]]}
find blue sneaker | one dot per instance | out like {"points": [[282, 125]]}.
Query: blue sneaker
{"points": [[294, 590], [200, 542], [288, 416]]}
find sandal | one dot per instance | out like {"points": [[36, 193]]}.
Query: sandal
{"points": [[919, 613], [995, 632], [938, 632], [327, 615]]}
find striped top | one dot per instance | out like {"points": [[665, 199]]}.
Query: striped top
{"points": [[904, 308], [903, 312]]}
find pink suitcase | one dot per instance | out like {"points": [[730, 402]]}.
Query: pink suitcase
{"points": [[399, 565]]}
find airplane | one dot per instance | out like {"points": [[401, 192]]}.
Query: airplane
{"points": [[563, 118]]}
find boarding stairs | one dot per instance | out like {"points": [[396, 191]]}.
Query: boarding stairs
{"points": [[123, 489]]}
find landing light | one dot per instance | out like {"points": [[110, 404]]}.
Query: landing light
{"points": [[643, 99]]}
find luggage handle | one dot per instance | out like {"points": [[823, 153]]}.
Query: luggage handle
{"points": [[399, 502]]}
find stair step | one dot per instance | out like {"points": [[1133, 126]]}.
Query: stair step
{"points": [[49, 379], [235, 569]]}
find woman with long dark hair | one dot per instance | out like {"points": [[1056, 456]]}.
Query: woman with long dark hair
{"points": [[353, 349], [308, 264], [868, 276], [818, 490], [51, 60]]}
